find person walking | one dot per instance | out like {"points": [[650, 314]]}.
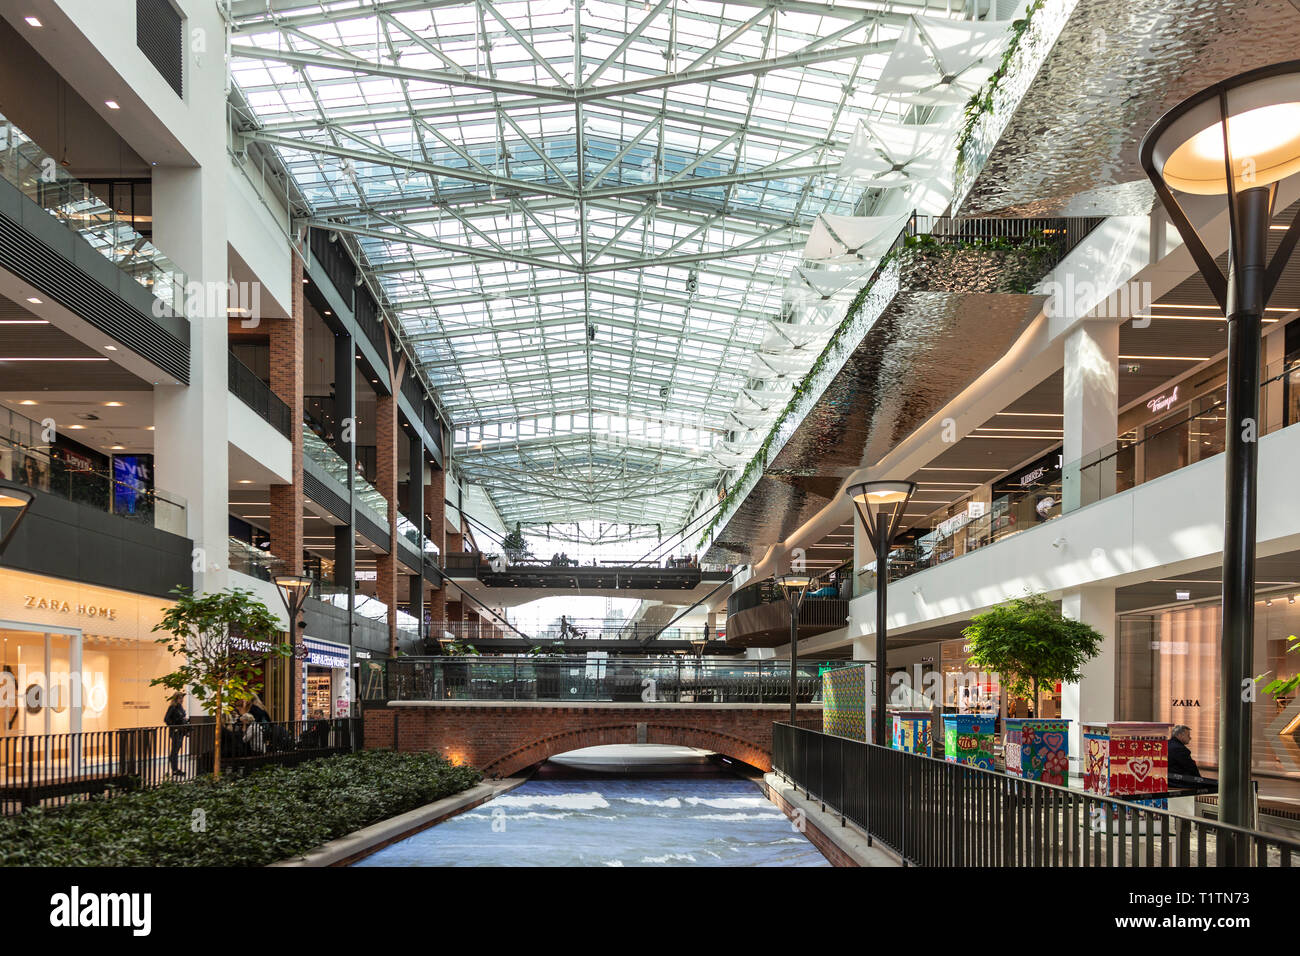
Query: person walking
{"points": [[177, 720]]}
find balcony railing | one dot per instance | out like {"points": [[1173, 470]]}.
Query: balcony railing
{"points": [[42, 179], [257, 395], [332, 463], [684, 680], [939, 813], [119, 493], [1190, 433]]}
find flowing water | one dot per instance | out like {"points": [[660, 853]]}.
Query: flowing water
{"points": [[613, 821]]}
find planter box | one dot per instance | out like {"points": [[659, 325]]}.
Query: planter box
{"points": [[910, 731], [1127, 760], [1037, 748], [968, 739]]}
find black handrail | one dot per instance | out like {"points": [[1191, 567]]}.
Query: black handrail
{"points": [[257, 395], [941, 813]]}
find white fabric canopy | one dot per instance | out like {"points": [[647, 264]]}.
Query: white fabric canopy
{"points": [[852, 239], [891, 154], [938, 61]]}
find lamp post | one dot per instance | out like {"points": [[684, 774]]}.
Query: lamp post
{"points": [[880, 506], [795, 587], [294, 589], [15, 500], [1239, 139]]}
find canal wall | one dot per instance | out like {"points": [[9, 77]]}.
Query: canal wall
{"points": [[503, 738], [843, 844]]}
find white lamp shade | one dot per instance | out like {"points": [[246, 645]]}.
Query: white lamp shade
{"points": [[1263, 138]]}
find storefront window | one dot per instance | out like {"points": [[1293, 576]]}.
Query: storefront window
{"points": [[1168, 671]]}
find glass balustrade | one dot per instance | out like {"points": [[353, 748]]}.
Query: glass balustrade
{"points": [[331, 462], [110, 232]]}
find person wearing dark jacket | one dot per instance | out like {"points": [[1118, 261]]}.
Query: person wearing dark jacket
{"points": [[1181, 763], [176, 719]]}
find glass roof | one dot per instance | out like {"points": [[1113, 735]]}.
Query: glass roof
{"points": [[584, 215]]}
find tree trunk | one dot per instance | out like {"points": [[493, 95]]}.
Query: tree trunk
{"points": [[1035, 701], [216, 740]]}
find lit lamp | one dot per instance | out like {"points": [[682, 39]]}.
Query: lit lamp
{"points": [[15, 500], [880, 506], [293, 592], [1239, 139], [796, 587]]}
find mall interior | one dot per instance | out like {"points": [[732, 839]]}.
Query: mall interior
{"points": [[455, 308]]}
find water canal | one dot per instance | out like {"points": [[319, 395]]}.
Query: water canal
{"points": [[710, 819]]}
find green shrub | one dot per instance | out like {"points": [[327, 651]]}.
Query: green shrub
{"points": [[252, 820]]}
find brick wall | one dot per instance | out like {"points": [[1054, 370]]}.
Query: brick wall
{"points": [[503, 740], [435, 510]]}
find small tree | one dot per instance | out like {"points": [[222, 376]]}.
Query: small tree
{"points": [[514, 545], [1028, 641], [222, 636]]}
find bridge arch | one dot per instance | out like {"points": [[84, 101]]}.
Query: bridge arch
{"points": [[543, 748]]}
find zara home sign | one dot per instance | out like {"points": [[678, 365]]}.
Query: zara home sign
{"points": [[66, 607]]}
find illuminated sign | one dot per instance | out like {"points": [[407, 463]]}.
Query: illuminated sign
{"points": [[1162, 403], [67, 607]]}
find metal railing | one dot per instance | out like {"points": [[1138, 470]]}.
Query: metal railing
{"points": [[52, 770], [681, 680], [75, 204], [118, 490], [936, 813], [257, 395]]}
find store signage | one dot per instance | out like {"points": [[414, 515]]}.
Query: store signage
{"points": [[67, 607], [367, 575], [320, 654], [1162, 403], [1185, 702]]}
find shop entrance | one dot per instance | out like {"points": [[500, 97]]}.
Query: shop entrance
{"points": [[42, 689]]}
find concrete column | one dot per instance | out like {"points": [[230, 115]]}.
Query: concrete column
{"points": [[344, 555], [1091, 410], [191, 456], [287, 384], [1092, 700], [386, 485]]}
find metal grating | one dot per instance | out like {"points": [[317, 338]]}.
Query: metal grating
{"points": [[159, 36], [36, 263]]}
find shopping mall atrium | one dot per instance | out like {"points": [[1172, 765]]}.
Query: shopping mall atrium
{"points": [[699, 365]]}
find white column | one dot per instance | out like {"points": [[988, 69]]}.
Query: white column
{"points": [[1091, 700], [1090, 409], [190, 431]]}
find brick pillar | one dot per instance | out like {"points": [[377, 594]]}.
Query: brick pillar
{"points": [[435, 510], [286, 500], [386, 485]]}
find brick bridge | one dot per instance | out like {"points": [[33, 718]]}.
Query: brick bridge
{"points": [[502, 738]]}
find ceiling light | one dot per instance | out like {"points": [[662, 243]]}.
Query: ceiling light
{"points": [[34, 301], [76, 427], [113, 348], [117, 448], [27, 401], [33, 22], [245, 481], [148, 428], [112, 404], [112, 104], [24, 358]]}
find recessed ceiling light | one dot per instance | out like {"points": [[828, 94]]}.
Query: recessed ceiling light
{"points": [[118, 448], [27, 401], [112, 404], [113, 348], [148, 428], [328, 312], [34, 301], [112, 104], [76, 428], [33, 22]]}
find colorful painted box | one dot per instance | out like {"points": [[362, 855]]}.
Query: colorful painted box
{"points": [[844, 702], [1037, 748], [910, 731], [1127, 760], [968, 739]]}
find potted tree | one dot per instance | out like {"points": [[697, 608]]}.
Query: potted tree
{"points": [[222, 637], [515, 547], [1029, 642]]}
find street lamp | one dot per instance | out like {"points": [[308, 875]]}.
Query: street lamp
{"points": [[1239, 139], [15, 500], [293, 592], [880, 506], [795, 586]]}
